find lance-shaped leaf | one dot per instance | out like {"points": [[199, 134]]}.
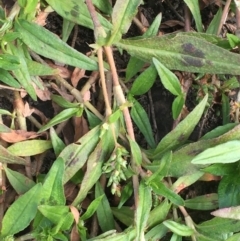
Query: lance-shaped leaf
{"points": [[184, 52], [77, 12], [49, 45], [94, 164], [232, 212], [143, 209], [123, 13], [76, 154], [21, 212], [7, 157], [181, 164]]}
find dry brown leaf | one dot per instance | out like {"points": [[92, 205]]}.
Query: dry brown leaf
{"points": [[77, 75], [27, 110], [64, 94], [18, 135], [80, 126], [41, 18], [74, 236], [62, 71]]}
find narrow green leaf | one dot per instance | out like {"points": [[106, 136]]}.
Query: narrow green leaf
{"points": [[181, 164], [144, 81], [6, 78], [57, 142], [143, 210], [77, 12], [184, 52], [7, 157], [19, 182], [53, 190], [47, 44], [37, 69], [225, 109], [104, 211], [29, 148], [160, 189], [92, 119], [122, 15], [159, 213], [54, 213], [220, 169], [205, 202], [140, 118], [218, 131], [235, 237], [62, 116], [63, 102], [9, 61], [195, 10], [228, 152], [218, 226], [103, 5], [21, 212], [178, 228], [177, 106], [156, 233], [67, 29], [135, 151], [168, 78], [92, 208], [228, 191], [22, 73], [126, 194], [183, 130], [76, 154], [94, 165], [213, 26], [124, 214]]}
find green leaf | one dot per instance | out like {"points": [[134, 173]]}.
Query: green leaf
{"points": [[6, 78], [47, 44], [178, 228], [124, 214], [228, 191], [159, 213], [76, 154], [92, 208], [53, 190], [67, 29], [104, 211], [22, 73], [228, 152], [181, 164], [7, 157], [126, 194], [168, 78], [19, 182], [63, 102], [220, 169], [213, 26], [92, 119], [195, 10], [205, 202], [94, 164], [225, 109], [57, 142], [9, 62], [37, 69], [140, 118], [160, 189], [122, 15], [156, 233], [143, 209], [177, 106], [62, 116], [231, 212], [234, 237], [103, 5], [21, 212], [135, 151], [184, 52], [144, 81], [29, 148], [76, 11], [218, 226], [183, 130]]}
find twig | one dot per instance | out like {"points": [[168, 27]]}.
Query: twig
{"points": [[224, 15], [187, 18]]}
